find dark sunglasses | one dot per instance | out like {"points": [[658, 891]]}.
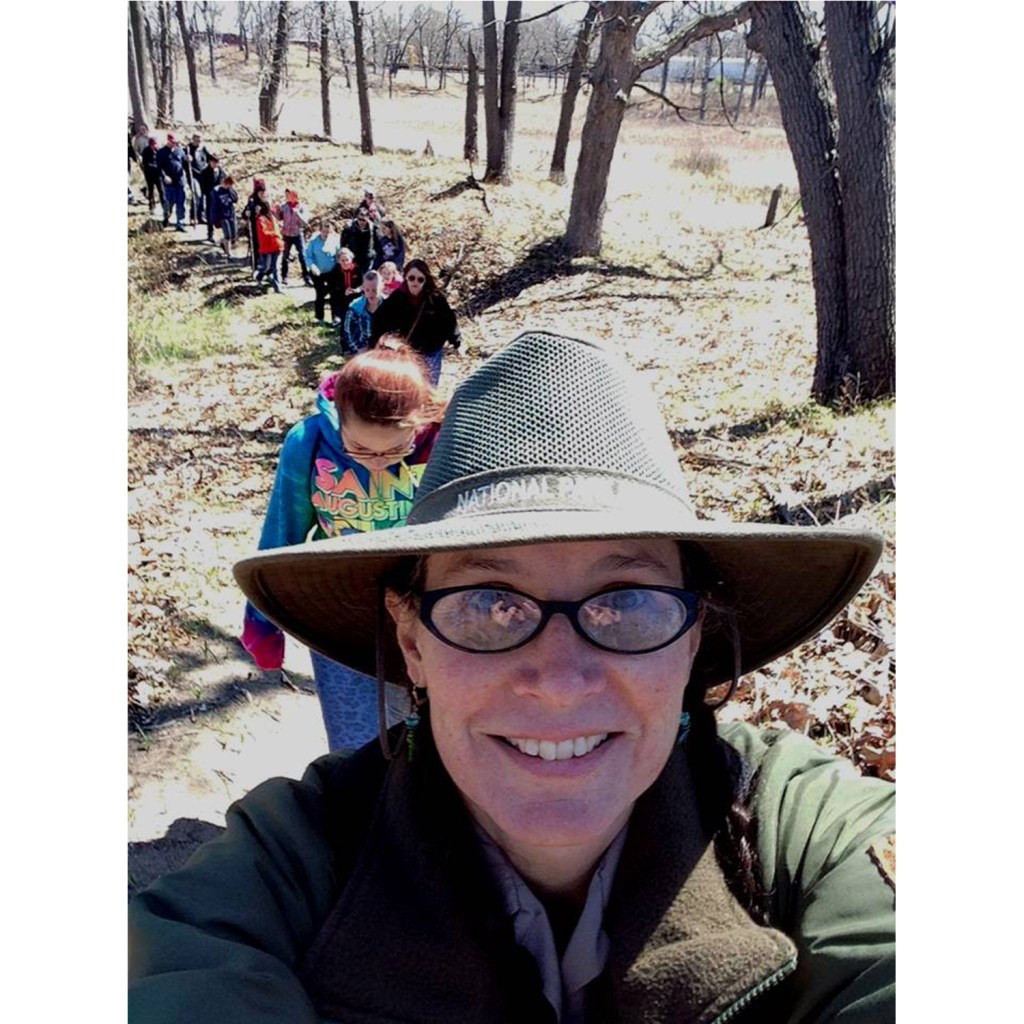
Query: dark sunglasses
{"points": [[414, 277], [625, 620]]}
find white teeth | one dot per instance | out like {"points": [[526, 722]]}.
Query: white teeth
{"points": [[548, 750]]}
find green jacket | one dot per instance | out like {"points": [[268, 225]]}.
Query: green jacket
{"points": [[360, 894]]}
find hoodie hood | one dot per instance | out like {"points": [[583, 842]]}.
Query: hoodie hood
{"points": [[330, 426]]}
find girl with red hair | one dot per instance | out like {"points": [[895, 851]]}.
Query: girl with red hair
{"points": [[353, 467]]}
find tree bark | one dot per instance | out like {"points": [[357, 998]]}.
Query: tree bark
{"points": [[362, 87], [469, 145], [509, 79], [492, 125], [269, 112], [787, 36], [861, 76], [325, 70], [611, 80], [165, 86], [190, 60], [140, 116], [580, 54], [139, 36]]}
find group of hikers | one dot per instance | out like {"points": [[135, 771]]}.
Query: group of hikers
{"points": [[360, 272], [512, 594]]}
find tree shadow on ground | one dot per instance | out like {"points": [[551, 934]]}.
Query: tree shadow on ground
{"points": [[323, 347], [830, 509], [218, 647], [547, 261], [148, 861]]}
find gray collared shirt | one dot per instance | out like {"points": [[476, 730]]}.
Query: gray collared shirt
{"points": [[585, 956]]}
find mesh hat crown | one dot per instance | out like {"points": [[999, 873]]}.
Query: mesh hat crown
{"points": [[557, 439]]}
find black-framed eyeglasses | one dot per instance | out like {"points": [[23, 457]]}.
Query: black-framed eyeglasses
{"points": [[625, 620]]}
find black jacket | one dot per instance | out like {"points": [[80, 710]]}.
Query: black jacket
{"points": [[436, 325], [364, 245]]}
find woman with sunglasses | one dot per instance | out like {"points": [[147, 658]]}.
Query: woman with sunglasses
{"points": [[419, 312], [353, 467], [560, 831]]}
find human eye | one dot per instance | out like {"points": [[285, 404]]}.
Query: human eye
{"points": [[485, 618], [633, 618]]}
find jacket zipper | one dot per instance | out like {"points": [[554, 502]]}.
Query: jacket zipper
{"points": [[759, 989]]}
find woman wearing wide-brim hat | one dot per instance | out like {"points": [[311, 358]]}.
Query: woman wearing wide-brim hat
{"points": [[559, 832]]}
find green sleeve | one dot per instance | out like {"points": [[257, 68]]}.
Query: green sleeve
{"points": [[817, 820], [221, 939]]}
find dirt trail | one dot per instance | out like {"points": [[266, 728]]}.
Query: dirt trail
{"points": [[204, 440]]}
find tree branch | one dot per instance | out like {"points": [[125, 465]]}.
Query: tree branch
{"points": [[664, 99], [652, 56]]}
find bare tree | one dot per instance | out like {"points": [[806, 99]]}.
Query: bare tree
{"points": [[165, 79], [211, 12], [135, 19], [747, 57], [362, 86], [325, 70], [843, 151], [243, 36], [190, 60], [619, 64], [580, 55], [139, 114], [469, 146], [269, 111], [500, 107]]}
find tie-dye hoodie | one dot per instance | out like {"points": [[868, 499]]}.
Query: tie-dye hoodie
{"points": [[320, 489]]}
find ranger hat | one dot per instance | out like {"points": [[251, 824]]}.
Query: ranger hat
{"points": [[557, 439]]}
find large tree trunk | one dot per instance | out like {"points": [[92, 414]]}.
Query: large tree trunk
{"points": [[611, 80], [469, 145], [580, 53], [325, 70], [139, 115], [861, 77], [139, 37], [270, 88], [362, 86], [509, 78], [785, 33], [492, 124], [190, 60]]}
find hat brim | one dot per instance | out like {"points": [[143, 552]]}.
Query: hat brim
{"points": [[783, 583]]}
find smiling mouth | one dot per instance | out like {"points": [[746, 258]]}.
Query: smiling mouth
{"points": [[549, 750]]}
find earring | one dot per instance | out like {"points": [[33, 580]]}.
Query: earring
{"points": [[684, 728], [412, 722]]}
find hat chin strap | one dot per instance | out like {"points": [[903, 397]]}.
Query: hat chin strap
{"points": [[382, 711], [737, 660]]}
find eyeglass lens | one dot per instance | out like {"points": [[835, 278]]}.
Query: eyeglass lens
{"points": [[630, 620]]}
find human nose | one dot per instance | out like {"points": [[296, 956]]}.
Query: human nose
{"points": [[558, 665]]}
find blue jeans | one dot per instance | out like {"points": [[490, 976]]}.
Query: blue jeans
{"points": [[434, 362], [174, 195], [289, 242], [348, 701], [268, 266]]}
